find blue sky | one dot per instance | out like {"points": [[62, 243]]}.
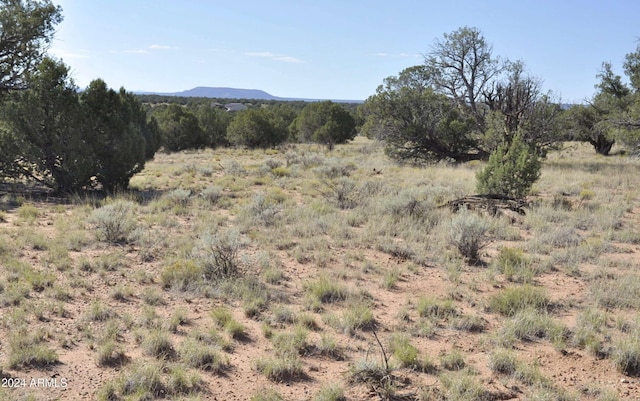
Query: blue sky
{"points": [[331, 49]]}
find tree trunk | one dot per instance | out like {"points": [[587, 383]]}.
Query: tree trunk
{"points": [[602, 145]]}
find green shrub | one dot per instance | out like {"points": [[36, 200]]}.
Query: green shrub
{"points": [[503, 361], [432, 307], [454, 360], [281, 368], [330, 392], [98, 312], [357, 316], [181, 275], [143, 379], [326, 290], [405, 352], [158, 344], [110, 354], [223, 318], [513, 263], [28, 212], [511, 170], [212, 194], [115, 221], [467, 232], [201, 356], [512, 300], [291, 343], [462, 386], [180, 382], [178, 197], [530, 325]]}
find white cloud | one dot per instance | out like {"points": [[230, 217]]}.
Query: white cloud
{"points": [[260, 54], [159, 47], [273, 56], [288, 59]]}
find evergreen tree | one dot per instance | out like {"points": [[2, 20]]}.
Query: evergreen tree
{"points": [[511, 171]]}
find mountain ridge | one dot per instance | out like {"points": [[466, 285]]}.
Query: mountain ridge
{"points": [[237, 93]]}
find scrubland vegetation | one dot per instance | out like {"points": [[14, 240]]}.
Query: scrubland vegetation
{"points": [[216, 276], [270, 257]]}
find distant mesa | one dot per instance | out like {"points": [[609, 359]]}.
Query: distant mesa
{"points": [[225, 93], [235, 93]]}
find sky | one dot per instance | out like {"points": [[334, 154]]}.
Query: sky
{"points": [[331, 49]]}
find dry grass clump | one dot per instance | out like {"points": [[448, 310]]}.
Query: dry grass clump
{"points": [[325, 290], [29, 350], [619, 292], [280, 368], [198, 355], [510, 301]]}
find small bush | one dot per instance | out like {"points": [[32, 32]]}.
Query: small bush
{"points": [[326, 290], [115, 221], [514, 264], [27, 350], [403, 351], [512, 300], [282, 368], [470, 323], [620, 292], [181, 275], [368, 371], [431, 307], [530, 325], [223, 318], [390, 278], [110, 354], [263, 211], [143, 379], [197, 355], [212, 195], [218, 254], [331, 392], [28, 212], [178, 317], [626, 356], [178, 197], [158, 344], [357, 316], [98, 312], [454, 360], [180, 382], [291, 343], [511, 170], [342, 192], [467, 232], [503, 361], [152, 296], [462, 386]]}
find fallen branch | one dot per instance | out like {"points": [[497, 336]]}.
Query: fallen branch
{"points": [[492, 203]]}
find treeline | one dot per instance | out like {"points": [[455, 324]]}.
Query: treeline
{"points": [[203, 124]]}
